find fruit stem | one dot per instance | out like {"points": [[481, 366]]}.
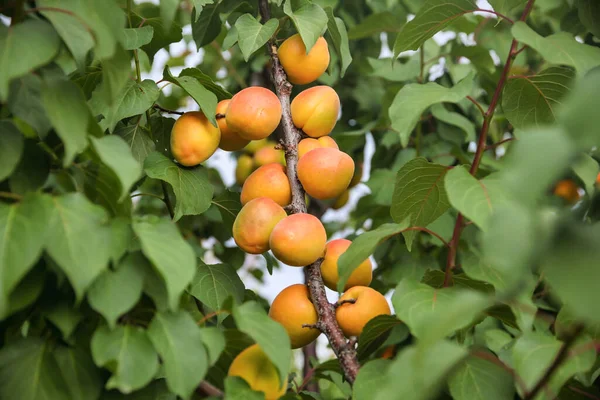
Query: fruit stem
{"points": [[345, 353], [481, 144]]}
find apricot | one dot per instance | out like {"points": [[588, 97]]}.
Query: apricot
{"points": [[356, 178], [254, 223], [298, 240], [230, 141], [352, 318], [341, 200], [292, 308], [243, 169], [567, 189], [325, 173], [256, 145], [316, 110], [194, 139], [268, 155], [361, 276], [268, 181], [309, 144], [302, 68], [253, 366], [253, 113], [389, 352]]}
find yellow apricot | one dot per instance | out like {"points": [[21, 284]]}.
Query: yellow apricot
{"points": [[292, 308], [256, 145], [254, 223], [243, 169], [268, 155], [341, 200], [567, 189], [253, 366], [302, 68], [361, 276], [316, 110], [298, 240], [268, 181], [194, 139], [230, 141], [325, 173], [254, 113], [309, 144], [352, 318]]}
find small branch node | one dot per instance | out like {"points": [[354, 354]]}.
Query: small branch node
{"points": [[342, 302], [219, 116]]}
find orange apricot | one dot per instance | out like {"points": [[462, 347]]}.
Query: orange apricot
{"points": [[292, 308], [309, 144], [194, 139], [230, 141], [254, 223], [256, 145], [268, 181], [341, 200], [243, 169], [302, 68], [254, 113], [316, 110], [298, 240], [357, 175], [253, 366], [325, 173], [352, 318], [268, 155], [361, 276], [567, 189]]}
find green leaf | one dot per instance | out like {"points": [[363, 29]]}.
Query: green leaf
{"points": [[559, 48], [505, 6], [116, 292], [452, 118], [413, 99], [214, 342], [26, 292], [420, 194], [479, 56], [309, 19], [432, 314], [178, 341], [432, 17], [191, 186], [69, 114], [168, 10], [373, 24], [230, 39], [201, 95], [589, 14], [114, 152], [138, 140], [83, 379], [80, 239], [170, 254], [362, 247], [65, 317], [418, 371], [28, 369], [339, 36], [481, 379], [163, 36], [11, 148], [237, 388], [394, 71], [121, 234], [374, 332], [229, 206], [32, 171], [134, 38], [252, 35], [587, 170], [25, 102], [475, 199], [17, 60], [207, 82], [533, 353], [532, 100], [206, 25], [213, 284], [128, 353], [477, 268], [271, 336], [134, 99], [369, 379], [116, 72], [101, 186]]}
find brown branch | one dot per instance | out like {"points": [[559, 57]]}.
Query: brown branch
{"points": [[472, 100], [493, 146], [156, 106], [420, 228], [209, 390], [481, 146], [291, 136]]}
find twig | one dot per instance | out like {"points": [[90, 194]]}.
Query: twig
{"points": [[420, 228], [209, 390], [497, 14], [472, 100], [8, 195], [291, 136], [481, 146], [492, 146], [167, 111]]}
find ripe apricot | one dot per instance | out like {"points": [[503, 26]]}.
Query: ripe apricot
{"points": [[256, 145], [253, 366], [352, 318], [268, 155], [361, 276], [316, 110], [341, 200], [292, 308], [268, 181], [230, 141], [254, 223], [243, 169], [194, 139], [325, 173], [309, 144], [254, 113], [567, 189], [302, 68], [298, 240], [357, 175]]}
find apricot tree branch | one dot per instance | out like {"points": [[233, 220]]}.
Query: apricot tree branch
{"points": [[208, 389], [156, 106], [345, 353], [481, 144]]}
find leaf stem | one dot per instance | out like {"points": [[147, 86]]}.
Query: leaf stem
{"points": [[167, 111], [147, 194], [14, 196], [422, 63], [497, 14], [167, 200], [479, 107]]}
